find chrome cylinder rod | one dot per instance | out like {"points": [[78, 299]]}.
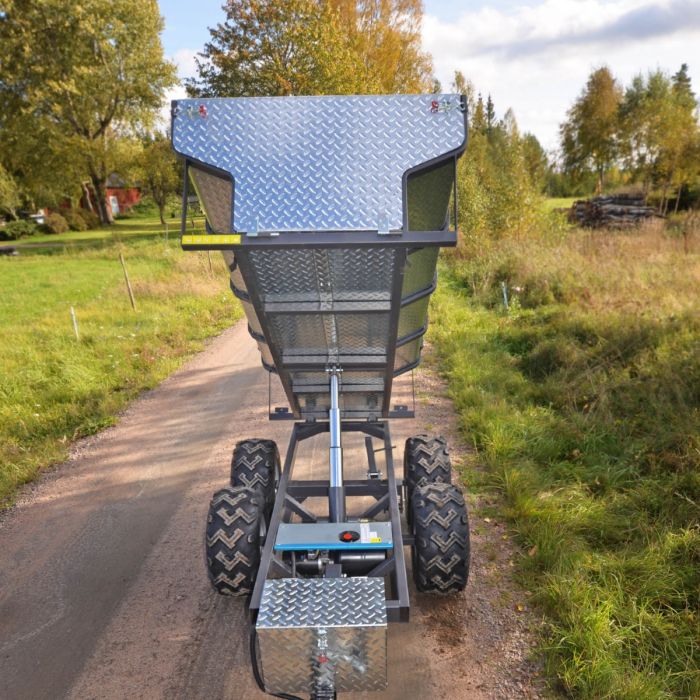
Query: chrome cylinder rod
{"points": [[336, 491]]}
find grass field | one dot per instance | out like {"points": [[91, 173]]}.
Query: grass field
{"points": [[552, 203], [134, 228], [583, 401], [53, 388]]}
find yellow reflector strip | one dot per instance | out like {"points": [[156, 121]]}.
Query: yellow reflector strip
{"points": [[212, 239]]}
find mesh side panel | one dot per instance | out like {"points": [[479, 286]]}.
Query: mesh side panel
{"points": [[407, 354], [237, 279], [252, 317], [228, 257], [265, 354], [428, 196], [413, 317], [420, 270], [215, 194]]}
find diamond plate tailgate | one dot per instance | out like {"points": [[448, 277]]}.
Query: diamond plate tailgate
{"points": [[328, 163], [323, 633]]}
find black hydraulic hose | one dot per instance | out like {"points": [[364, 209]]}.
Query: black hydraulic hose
{"points": [[256, 669]]}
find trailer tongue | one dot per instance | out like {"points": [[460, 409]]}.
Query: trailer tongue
{"points": [[330, 212]]}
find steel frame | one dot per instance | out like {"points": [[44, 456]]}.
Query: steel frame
{"points": [[291, 495]]}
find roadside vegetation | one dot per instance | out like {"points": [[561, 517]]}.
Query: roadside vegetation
{"points": [[55, 388], [582, 400]]}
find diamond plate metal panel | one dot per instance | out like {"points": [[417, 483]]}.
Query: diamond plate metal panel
{"points": [[318, 163], [323, 633], [343, 274], [331, 335]]}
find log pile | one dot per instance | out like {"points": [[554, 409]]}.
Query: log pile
{"points": [[614, 211]]}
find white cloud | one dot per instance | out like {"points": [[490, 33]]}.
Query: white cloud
{"points": [[185, 61], [536, 58], [176, 93]]}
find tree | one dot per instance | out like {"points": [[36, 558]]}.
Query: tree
{"points": [[479, 115], [464, 87], [265, 47], [686, 144], [682, 86], [158, 171], [9, 194], [495, 193], [490, 114], [85, 74], [588, 136], [536, 161], [659, 129], [387, 36]]}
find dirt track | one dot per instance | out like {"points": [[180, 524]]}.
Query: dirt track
{"points": [[103, 591]]}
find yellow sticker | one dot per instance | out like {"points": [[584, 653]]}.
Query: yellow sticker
{"points": [[212, 239], [375, 540]]}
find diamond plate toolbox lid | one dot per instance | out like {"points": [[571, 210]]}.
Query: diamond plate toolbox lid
{"points": [[323, 633], [322, 163]]}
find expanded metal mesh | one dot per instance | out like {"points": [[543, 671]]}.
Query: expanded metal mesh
{"points": [[215, 195]]}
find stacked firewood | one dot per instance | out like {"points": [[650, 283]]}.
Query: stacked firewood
{"points": [[614, 211]]}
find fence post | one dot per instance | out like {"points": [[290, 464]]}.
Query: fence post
{"points": [[128, 284], [75, 323]]}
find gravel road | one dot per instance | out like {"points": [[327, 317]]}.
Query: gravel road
{"points": [[103, 590]]}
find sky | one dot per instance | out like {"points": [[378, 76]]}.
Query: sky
{"points": [[533, 57]]}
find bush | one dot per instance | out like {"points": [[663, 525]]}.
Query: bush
{"points": [[91, 219], [75, 220], [55, 223], [17, 229]]}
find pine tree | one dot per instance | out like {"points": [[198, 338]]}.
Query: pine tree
{"points": [[490, 114]]}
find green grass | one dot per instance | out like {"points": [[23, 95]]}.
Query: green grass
{"points": [[54, 389], [552, 203], [583, 401], [137, 227]]}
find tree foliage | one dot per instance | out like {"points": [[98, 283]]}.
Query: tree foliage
{"points": [[659, 130], [265, 47], [158, 171], [9, 194], [314, 47], [498, 189], [387, 36], [589, 132], [647, 134], [82, 74]]}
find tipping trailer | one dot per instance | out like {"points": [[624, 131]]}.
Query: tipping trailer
{"points": [[330, 212]]}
